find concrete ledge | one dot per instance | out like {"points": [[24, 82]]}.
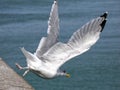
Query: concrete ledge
{"points": [[10, 80]]}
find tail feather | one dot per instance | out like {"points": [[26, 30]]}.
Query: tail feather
{"points": [[28, 55]]}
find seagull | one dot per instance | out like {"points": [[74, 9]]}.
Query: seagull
{"points": [[52, 54]]}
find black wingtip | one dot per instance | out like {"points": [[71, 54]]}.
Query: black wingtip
{"points": [[104, 15], [104, 22], [103, 25]]}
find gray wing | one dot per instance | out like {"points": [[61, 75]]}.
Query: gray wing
{"points": [[80, 42], [52, 32]]}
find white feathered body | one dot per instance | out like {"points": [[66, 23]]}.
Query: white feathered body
{"points": [[51, 54]]}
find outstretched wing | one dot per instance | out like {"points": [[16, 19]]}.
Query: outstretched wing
{"points": [[52, 32], [80, 42]]}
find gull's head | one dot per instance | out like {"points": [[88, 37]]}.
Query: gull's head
{"points": [[66, 74], [63, 73]]}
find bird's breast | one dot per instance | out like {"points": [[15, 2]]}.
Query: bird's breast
{"points": [[45, 72]]}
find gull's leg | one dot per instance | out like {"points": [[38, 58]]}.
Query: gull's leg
{"points": [[25, 72], [20, 67]]}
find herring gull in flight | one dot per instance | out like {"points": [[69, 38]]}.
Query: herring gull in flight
{"points": [[51, 54]]}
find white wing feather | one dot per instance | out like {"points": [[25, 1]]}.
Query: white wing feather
{"points": [[53, 32], [80, 42]]}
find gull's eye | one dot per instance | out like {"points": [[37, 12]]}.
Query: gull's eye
{"points": [[64, 71]]}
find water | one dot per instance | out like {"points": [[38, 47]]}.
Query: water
{"points": [[24, 22]]}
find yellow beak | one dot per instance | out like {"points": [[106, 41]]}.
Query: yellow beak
{"points": [[68, 75]]}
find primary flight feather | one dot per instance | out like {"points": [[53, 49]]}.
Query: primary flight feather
{"points": [[51, 54]]}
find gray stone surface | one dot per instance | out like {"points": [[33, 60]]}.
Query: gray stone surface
{"points": [[10, 80]]}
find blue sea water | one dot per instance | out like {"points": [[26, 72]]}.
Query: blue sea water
{"points": [[24, 22]]}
